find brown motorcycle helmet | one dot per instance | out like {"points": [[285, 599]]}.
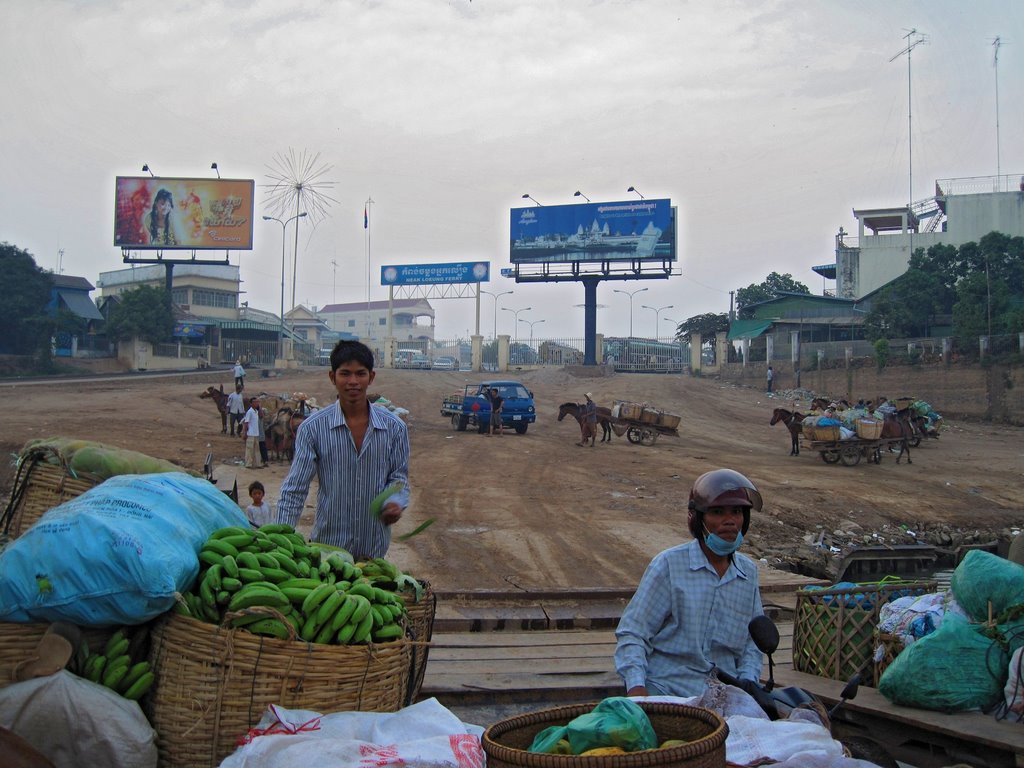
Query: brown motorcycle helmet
{"points": [[721, 488]]}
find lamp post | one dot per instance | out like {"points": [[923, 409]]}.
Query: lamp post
{"points": [[657, 316], [527, 197], [516, 313], [531, 323], [496, 295], [634, 189], [284, 226], [577, 193], [631, 294]]}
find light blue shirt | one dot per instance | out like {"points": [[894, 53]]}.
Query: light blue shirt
{"points": [[684, 619], [348, 480]]}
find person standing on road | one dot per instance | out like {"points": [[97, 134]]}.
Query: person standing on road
{"points": [[589, 421], [497, 403], [264, 455], [771, 379], [250, 430], [356, 450], [690, 613], [236, 409], [239, 375]]}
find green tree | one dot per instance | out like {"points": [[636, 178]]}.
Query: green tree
{"points": [[142, 312], [707, 325], [774, 285], [24, 326], [889, 317]]}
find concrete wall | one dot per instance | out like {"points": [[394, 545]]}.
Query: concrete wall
{"points": [[994, 393]]}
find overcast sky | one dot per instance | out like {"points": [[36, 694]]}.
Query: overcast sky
{"points": [[765, 122]]}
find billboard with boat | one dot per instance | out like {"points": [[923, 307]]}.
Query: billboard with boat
{"points": [[630, 230]]}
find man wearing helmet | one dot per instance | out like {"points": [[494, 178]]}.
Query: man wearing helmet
{"points": [[691, 610]]}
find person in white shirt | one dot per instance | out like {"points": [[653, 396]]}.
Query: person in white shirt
{"points": [[239, 375], [251, 433], [260, 512], [236, 409]]}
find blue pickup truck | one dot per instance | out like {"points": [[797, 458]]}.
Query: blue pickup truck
{"points": [[472, 408]]}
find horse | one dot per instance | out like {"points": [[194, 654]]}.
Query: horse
{"points": [[221, 401], [794, 423], [897, 426], [604, 419]]}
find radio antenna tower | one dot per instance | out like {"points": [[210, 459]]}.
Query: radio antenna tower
{"points": [[913, 40], [995, 65]]}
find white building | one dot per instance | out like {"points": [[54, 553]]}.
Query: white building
{"points": [[963, 210], [411, 320], [204, 290]]}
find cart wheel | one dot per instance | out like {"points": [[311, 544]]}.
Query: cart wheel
{"points": [[914, 441], [850, 456], [634, 435], [648, 437], [830, 456]]}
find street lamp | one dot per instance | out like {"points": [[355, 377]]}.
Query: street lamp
{"points": [[631, 294], [634, 189], [531, 323], [525, 197], [657, 316], [516, 313], [577, 193], [495, 295], [284, 226]]}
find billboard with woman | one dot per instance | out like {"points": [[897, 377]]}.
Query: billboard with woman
{"points": [[193, 214]]}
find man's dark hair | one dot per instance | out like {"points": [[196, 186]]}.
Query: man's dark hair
{"points": [[347, 351]]}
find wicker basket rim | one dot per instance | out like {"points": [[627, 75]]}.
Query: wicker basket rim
{"points": [[868, 586], [670, 756]]}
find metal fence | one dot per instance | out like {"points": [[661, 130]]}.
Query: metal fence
{"points": [[631, 355]]}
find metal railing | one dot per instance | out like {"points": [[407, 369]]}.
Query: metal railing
{"points": [[974, 185]]}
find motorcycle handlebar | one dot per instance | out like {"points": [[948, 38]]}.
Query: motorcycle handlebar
{"points": [[760, 695]]}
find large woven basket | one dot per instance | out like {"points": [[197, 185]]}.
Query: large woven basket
{"points": [[214, 684], [42, 482], [868, 429], [624, 410], [421, 627], [505, 743], [18, 643], [891, 645], [833, 630], [830, 434]]}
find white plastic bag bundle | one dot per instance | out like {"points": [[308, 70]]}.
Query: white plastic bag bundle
{"points": [[425, 734], [78, 723]]}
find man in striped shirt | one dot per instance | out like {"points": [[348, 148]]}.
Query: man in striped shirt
{"points": [[356, 450], [691, 610]]}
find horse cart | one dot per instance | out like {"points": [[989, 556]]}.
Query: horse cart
{"points": [[868, 444], [642, 424]]}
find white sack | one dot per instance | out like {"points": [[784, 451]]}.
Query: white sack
{"points": [[425, 734], [76, 723]]}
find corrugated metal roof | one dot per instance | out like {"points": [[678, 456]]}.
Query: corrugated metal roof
{"points": [[80, 304]]}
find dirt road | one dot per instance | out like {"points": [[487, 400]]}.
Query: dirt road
{"points": [[536, 510]]}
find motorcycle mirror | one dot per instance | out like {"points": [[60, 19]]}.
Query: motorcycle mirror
{"points": [[850, 689], [765, 634]]}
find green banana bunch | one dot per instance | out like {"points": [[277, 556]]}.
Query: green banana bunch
{"points": [[116, 669]]}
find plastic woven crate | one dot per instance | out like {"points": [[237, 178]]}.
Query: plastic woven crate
{"points": [[834, 629], [630, 411], [669, 420]]}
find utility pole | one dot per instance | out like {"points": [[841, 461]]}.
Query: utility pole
{"points": [[334, 282], [731, 315], [911, 45], [995, 65]]}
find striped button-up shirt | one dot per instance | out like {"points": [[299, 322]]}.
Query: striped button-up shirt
{"points": [[348, 479], [684, 619]]}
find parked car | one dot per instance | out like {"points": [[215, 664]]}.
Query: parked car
{"points": [[445, 363]]}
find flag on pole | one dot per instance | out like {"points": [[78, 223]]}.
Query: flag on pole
{"points": [[366, 219]]}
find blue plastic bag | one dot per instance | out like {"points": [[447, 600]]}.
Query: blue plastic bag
{"points": [[116, 554]]}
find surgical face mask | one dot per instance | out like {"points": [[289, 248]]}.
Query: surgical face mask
{"points": [[720, 546]]}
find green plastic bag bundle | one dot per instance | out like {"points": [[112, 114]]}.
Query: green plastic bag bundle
{"points": [[614, 722], [982, 577], [957, 667], [97, 459]]}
